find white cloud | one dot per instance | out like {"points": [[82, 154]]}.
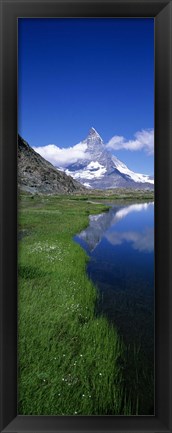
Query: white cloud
{"points": [[143, 140], [139, 241], [61, 157]]}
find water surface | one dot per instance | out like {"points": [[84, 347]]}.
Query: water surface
{"points": [[120, 244]]}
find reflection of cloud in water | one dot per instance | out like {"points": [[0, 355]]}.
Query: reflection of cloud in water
{"points": [[115, 215], [99, 224], [140, 241], [132, 208]]}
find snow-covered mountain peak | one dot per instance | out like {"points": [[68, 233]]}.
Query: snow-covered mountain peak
{"points": [[100, 169], [93, 137], [93, 132]]}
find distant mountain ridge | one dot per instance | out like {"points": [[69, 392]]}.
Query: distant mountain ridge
{"points": [[101, 170], [36, 175]]}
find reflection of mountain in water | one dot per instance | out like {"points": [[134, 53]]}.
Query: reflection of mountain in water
{"points": [[121, 266], [99, 225]]}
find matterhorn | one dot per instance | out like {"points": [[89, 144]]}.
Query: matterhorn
{"points": [[101, 170]]}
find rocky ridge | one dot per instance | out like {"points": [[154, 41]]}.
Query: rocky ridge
{"points": [[36, 175]]}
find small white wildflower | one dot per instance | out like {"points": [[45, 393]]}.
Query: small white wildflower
{"points": [[83, 395], [100, 374]]}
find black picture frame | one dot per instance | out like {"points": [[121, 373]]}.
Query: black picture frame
{"points": [[162, 13]]}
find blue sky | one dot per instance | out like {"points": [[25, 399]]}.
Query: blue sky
{"points": [[78, 73]]}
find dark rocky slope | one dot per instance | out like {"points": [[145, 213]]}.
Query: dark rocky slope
{"points": [[36, 175]]}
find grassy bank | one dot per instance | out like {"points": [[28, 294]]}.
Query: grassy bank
{"points": [[71, 362], [68, 358], [117, 194]]}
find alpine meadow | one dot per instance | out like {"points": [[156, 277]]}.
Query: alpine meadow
{"points": [[86, 216]]}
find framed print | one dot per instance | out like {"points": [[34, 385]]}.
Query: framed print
{"points": [[111, 296], [86, 238]]}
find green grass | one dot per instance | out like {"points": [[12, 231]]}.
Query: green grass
{"points": [[116, 194], [71, 362], [68, 358]]}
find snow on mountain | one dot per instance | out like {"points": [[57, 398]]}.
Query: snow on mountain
{"points": [[91, 171], [137, 177], [100, 169]]}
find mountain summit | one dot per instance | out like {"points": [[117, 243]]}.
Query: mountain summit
{"points": [[94, 136], [100, 169]]}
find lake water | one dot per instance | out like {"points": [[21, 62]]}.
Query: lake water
{"points": [[120, 244]]}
